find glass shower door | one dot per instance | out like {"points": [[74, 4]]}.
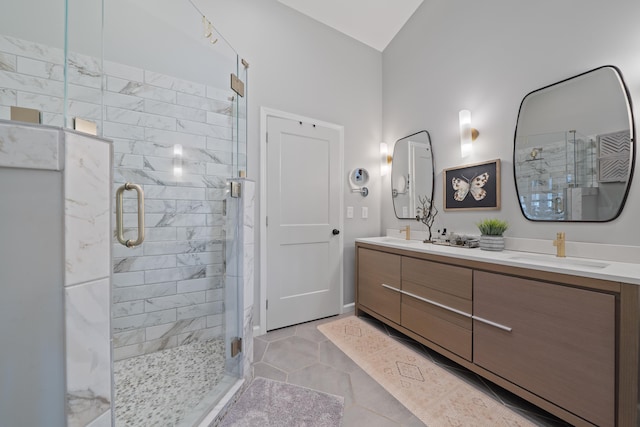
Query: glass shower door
{"points": [[173, 120]]}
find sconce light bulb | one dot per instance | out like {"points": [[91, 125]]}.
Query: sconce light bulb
{"points": [[385, 159], [464, 118]]}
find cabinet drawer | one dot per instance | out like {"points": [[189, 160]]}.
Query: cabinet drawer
{"points": [[447, 279], [445, 328], [561, 345], [375, 269]]}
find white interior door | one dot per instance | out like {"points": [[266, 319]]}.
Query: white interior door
{"points": [[303, 253]]}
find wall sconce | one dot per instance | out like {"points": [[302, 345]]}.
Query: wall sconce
{"points": [[467, 133], [385, 159]]}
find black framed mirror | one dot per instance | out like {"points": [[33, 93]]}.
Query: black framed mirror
{"points": [[574, 148], [412, 173]]}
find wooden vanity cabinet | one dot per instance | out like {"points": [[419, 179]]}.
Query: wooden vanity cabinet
{"points": [[374, 270], [569, 344], [561, 345], [437, 303]]}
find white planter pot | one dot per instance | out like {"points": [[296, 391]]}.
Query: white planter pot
{"points": [[491, 243]]}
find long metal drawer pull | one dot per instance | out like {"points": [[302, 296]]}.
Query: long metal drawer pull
{"points": [[494, 324], [384, 285], [119, 222], [437, 304]]}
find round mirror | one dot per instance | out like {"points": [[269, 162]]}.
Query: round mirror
{"points": [[574, 148], [412, 174]]}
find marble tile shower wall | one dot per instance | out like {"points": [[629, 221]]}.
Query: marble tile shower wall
{"points": [[548, 174], [170, 290]]}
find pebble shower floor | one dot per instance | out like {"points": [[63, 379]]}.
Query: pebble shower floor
{"points": [[162, 388]]}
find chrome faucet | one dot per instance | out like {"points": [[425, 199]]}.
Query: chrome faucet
{"points": [[407, 231], [559, 244]]}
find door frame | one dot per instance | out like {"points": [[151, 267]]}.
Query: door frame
{"points": [[265, 113]]}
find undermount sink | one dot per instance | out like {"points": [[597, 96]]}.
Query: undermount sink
{"points": [[564, 262]]}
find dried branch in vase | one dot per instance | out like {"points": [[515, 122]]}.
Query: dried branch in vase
{"points": [[427, 212]]}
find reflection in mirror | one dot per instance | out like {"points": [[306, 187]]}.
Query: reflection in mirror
{"points": [[412, 173], [574, 148]]}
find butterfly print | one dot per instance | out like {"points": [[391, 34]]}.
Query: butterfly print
{"points": [[464, 186]]}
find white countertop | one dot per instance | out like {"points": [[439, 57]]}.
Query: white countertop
{"points": [[597, 269]]}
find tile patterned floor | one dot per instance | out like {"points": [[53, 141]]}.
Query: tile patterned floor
{"points": [[302, 355]]}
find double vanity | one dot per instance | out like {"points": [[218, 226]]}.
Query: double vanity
{"points": [[560, 333]]}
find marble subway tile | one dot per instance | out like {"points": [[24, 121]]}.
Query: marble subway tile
{"points": [[30, 49], [215, 320], [150, 206], [218, 119], [133, 293], [180, 247], [125, 116], [175, 328], [219, 170], [203, 258], [125, 72], [199, 233], [127, 308], [175, 274], [198, 310], [21, 82], [217, 193], [170, 138], [127, 102], [45, 70], [200, 284], [135, 336], [128, 351], [176, 220], [173, 83], [8, 62], [188, 126], [215, 270], [143, 320], [173, 110], [5, 112], [160, 234], [144, 177], [166, 164], [119, 130], [174, 301], [224, 95], [143, 263], [220, 145], [208, 104], [122, 160], [84, 94], [201, 335], [128, 87], [160, 192], [127, 279], [84, 70], [44, 103], [215, 295], [30, 147], [198, 207], [8, 97], [85, 110], [87, 351]]}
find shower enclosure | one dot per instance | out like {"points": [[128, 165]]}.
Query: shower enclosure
{"points": [[154, 77]]}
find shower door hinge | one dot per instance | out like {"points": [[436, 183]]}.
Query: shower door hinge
{"points": [[237, 85], [236, 189], [236, 346]]}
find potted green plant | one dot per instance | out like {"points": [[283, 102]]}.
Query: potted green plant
{"points": [[491, 231]]}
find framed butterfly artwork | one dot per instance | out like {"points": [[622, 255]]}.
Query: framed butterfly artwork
{"points": [[475, 186]]}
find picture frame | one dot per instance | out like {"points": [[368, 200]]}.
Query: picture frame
{"points": [[472, 187]]}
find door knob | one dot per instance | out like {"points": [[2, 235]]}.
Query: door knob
{"points": [[335, 231]]}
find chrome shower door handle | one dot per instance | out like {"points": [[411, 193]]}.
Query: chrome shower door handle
{"points": [[119, 222]]}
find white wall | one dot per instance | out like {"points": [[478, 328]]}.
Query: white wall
{"points": [[485, 57], [300, 66]]}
